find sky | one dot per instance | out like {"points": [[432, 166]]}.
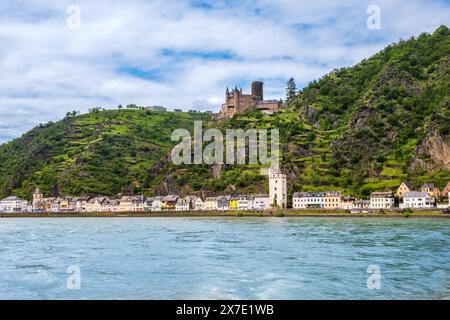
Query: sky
{"points": [[57, 56]]}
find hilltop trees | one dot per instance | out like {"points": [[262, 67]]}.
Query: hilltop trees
{"points": [[291, 90]]}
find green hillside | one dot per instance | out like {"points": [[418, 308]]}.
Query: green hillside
{"points": [[104, 152], [357, 129]]}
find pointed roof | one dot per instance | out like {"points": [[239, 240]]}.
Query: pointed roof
{"points": [[12, 198], [428, 186], [447, 188], [408, 184]]}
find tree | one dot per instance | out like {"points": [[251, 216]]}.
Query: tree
{"points": [[291, 90], [72, 114]]}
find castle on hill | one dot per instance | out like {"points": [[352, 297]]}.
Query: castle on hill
{"points": [[236, 101]]}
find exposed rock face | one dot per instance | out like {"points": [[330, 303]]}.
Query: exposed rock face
{"points": [[167, 187], [437, 149], [309, 111]]}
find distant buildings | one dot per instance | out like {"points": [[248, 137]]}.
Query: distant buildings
{"points": [[306, 200], [277, 198], [382, 200], [210, 203], [222, 203], [418, 199], [13, 204], [321, 200], [333, 200], [431, 188], [183, 204], [157, 108], [236, 101], [169, 202], [259, 202], [234, 203], [197, 204]]}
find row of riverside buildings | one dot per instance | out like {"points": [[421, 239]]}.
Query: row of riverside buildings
{"points": [[424, 197], [421, 198], [277, 198]]}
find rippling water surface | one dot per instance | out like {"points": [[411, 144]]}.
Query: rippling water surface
{"points": [[224, 258]]}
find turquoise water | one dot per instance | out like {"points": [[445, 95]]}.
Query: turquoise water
{"points": [[224, 258]]}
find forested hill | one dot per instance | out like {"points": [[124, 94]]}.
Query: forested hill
{"points": [[358, 129]]}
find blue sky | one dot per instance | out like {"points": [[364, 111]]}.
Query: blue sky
{"points": [[181, 54]]}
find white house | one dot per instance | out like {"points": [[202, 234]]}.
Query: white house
{"points": [[80, 204], [258, 202], [348, 203], [304, 200], [197, 203], [417, 199], [381, 200], [138, 204], [13, 204], [243, 203], [277, 188], [183, 204], [156, 204], [56, 205], [361, 204]]}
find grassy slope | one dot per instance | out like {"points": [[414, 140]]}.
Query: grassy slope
{"points": [[107, 152]]}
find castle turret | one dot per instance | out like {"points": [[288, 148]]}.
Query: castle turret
{"points": [[277, 188], [258, 89]]}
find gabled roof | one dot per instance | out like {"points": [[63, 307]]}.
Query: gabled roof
{"points": [[183, 200], [126, 199], [408, 184], [12, 198], [428, 186], [170, 198], [447, 188], [416, 194], [309, 194], [381, 195]]}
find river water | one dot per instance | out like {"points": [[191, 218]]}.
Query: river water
{"points": [[224, 258]]}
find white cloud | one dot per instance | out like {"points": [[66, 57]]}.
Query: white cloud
{"points": [[176, 54]]}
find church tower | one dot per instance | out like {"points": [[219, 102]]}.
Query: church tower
{"points": [[277, 188], [37, 197]]}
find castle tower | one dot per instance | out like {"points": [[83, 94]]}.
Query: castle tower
{"points": [[277, 188], [258, 89]]}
